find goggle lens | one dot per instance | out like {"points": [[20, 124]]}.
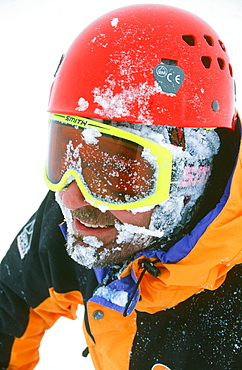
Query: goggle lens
{"points": [[109, 168], [113, 169]]}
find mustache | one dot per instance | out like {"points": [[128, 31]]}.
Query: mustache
{"points": [[93, 215]]}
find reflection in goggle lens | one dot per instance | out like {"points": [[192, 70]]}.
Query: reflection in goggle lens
{"points": [[113, 169]]}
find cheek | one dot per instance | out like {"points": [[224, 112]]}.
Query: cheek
{"points": [[138, 219]]}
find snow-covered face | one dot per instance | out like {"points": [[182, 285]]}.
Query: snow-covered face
{"points": [[192, 166], [98, 239]]}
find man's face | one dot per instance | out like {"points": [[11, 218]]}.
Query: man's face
{"points": [[98, 239]]}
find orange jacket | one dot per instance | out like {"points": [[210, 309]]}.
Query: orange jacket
{"points": [[167, 325]]}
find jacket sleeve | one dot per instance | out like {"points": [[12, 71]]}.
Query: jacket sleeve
{"points": [[33, 293]]}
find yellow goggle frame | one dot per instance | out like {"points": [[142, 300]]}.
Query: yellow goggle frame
{"points": [[161, 156]]}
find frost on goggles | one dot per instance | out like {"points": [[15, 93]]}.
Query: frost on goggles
{"points": [[112, 167]]}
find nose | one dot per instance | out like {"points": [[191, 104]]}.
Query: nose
{"points": [[72, 197]]}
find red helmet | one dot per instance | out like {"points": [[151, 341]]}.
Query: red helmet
{"points": [[151, 64]]}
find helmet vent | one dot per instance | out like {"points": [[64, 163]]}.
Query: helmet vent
{"points": [[206, 61], [209, 40], [189, 39], [222, 45], [169, 62], [230, 70], [221, 63]]}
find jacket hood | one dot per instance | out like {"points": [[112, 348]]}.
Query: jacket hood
{"points": [[198, 261]]}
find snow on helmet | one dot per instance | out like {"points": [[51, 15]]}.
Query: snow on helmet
{"points": [[150, 64]]}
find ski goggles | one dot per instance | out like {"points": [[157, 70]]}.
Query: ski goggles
{"points": [[114, 169]]}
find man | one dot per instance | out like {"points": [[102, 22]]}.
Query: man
{"points": [[144, 165]]}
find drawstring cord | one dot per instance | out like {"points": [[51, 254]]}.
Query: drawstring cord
{"points": [[149, 267]]}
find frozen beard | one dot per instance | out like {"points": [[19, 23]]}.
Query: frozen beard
{"points": [[89, 251]]}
